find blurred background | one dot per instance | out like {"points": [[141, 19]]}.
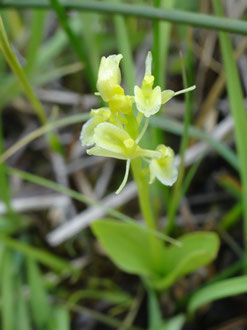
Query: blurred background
{"points": [[54, 274]]}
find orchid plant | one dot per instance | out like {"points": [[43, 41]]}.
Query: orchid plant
{"points": [[115, 131]]}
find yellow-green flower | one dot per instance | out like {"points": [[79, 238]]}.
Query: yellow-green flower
{"points": [[148, 99], [115, 131], [121, 103], [109, 77], [112, 141], [163, 169], [97, 116]]}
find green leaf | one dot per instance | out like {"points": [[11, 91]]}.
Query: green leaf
{"points": [[23, 321], [197, 250], [218, 290], [177, 16], [136, 251], [111, 296], [175, 323], [40, 255], [128, 245], [154, 313], [238, 109], [60, 319], [39, 302], [7, 291]]}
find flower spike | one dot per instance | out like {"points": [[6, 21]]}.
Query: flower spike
{"points": [[115, 131]]}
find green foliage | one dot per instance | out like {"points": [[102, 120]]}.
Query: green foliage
{"points": [[127, 244], [196, 250], [238, 110], [174, 16], [136, 251], [218, 290], [7, 290], [60, 319], [39, 300], [43, 60], [23, 320], [38, 254]]}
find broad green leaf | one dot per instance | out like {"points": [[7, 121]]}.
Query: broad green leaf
{"points": [[7, 291], [197, 250], [39, 302], [218, 290], [128, 245]]}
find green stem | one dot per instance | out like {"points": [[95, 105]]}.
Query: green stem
{"points": [[169, 15], [146, 209], [143, 195]]}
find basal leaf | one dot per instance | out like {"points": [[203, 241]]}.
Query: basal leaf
{"points": [[128, 245], [197, 250]]}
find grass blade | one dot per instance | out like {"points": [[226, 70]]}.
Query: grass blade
{"points": [[7, 291], [238, 110], [218, 290], [169, 15], [19, 72], [177, 128], [74, 41], [37, 27], [175, 197], [39, 298], [60, 319], [39, 255]]}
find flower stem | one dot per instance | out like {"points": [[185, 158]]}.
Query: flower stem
{"points": [[143, 195], [146, 208]]}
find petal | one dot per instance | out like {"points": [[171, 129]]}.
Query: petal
{"points": [[164, 169], [102, 114], [165, 174], [166, 95], [109, 77], [97, 151], [87, 132]]}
